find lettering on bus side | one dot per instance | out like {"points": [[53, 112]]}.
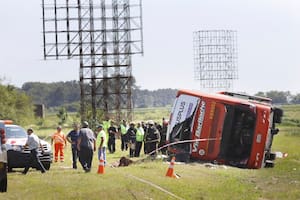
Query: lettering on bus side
{"points": [[179, 114], [199, 126]]}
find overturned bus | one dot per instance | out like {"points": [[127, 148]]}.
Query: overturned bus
{"points": [[225, 128]]}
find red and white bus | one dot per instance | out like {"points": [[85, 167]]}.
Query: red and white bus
{"points": [[225, 128]]}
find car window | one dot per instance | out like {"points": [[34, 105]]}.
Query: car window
{"points": [[15, 132]]}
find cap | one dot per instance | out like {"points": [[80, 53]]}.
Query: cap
{"points": [[151, 122]]}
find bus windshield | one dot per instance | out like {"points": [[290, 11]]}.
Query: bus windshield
{"points": [[181, 120]]}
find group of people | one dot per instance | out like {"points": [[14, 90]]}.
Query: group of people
{"points": [[150, 135], [84, 142]]}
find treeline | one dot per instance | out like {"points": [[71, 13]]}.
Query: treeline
{"points": [[67, 94], [279, 97], [17, 103]]}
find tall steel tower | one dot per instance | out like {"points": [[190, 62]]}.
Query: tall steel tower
{"points": [[215, 58], [103, 35]]}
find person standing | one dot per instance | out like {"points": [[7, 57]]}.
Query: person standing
{"points": [[152, 138], [86, 145], [72, 137], [106, 124], [145, 127], [124, 140], [33, 143], [112, 131], [3, 161], [163, 136], [101, 143], [131, 135], [59, 140], [139, 139]]}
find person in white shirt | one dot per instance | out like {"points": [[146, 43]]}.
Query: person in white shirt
{"points": [[33, 143]]}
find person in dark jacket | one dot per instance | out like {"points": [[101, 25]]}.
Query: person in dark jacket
{"points": [[3, 161], [72, 137], [163, 136], [152, 139], [112, 132], [131, 135]]}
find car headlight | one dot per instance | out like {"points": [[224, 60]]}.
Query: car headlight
{"points": [[13, 147], [16, 148]]}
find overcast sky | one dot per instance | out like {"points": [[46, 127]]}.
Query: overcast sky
{"points": [[268, 33]]}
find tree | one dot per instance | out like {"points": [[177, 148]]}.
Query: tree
{"points": [[15, 105], [296, 99], [62, 115], [278, 97]]}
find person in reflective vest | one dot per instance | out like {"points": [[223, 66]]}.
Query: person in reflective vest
{"points": [[106, 124], [101, 143], [139, 139], [60, 141], [124, 140]]}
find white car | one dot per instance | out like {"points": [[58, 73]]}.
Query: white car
{"points": [[17, 156]]}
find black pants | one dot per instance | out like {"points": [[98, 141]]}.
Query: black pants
{"points": [[74, 156], [151, 148], [111, 145], [131, 152], [3, 177], [85, 158], [124, 145], [138, 146], [34, 159]]}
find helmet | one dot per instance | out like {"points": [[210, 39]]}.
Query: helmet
{"points": [[151, 122], [85, 124]]}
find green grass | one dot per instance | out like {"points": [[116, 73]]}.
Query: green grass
{"points": [[147, 180]]}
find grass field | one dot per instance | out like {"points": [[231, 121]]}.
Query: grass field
{"points": [[147, 180]]}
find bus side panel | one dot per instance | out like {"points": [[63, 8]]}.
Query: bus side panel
{"points": [[217, 115], [202, 130], [200, 124]]}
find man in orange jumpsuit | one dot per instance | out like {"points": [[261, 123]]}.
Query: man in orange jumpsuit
{"points": [[59, 140]]}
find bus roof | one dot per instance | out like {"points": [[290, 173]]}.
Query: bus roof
{"points": [[227, 96]]}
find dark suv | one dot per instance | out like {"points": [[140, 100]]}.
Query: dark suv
{"points": [[17, 156]]}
